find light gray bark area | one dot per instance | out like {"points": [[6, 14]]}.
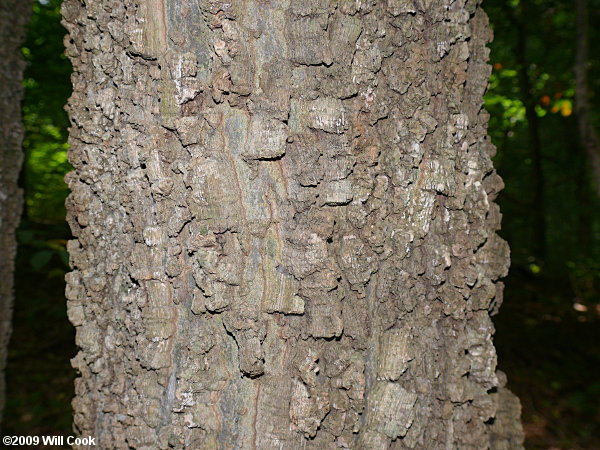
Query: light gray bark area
{"points": [[285, 225], [14, 15]]}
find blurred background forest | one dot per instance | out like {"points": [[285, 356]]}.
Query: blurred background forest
{"points": [[548, 331]]}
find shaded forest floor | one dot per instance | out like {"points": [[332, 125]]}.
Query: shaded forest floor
{"points": [[549, 351]]}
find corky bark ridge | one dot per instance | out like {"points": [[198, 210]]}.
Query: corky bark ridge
{"points": [[285, 225]]}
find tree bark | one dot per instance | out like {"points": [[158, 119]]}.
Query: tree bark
{"points": [[587, 134], [285, 228], [14, 15]]}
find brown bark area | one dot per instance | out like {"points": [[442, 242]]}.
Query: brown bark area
{"points": [[285, 228], [14, 15]]}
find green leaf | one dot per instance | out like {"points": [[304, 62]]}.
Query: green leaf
{"points": [[40, 259]]}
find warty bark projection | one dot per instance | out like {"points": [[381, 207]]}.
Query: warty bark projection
{"points": [[285, 228]]}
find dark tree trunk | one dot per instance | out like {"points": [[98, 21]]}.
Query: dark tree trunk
{"points": [[285, 226], [518, 19], [14, 15], [587, 133]]}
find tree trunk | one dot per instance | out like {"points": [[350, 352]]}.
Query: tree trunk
{"points": [[285, 228], [587, 134], [14, 15], [518, 20]]}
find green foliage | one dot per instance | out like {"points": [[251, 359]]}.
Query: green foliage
{"points": [[571, 210], [548, 326], [39, 375], [43, 247], [47, 87]]}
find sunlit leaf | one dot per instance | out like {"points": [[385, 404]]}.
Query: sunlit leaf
{"points": [[566, 108]]}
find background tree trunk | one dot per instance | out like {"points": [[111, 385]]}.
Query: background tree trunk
{"points": [[587, 133], [14, 15], [284, 223]]}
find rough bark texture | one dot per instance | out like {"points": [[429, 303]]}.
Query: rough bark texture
{"points": [[285, 228], [14, 15]]}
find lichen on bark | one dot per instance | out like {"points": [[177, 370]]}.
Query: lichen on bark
{"points": [[285, 235]]}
